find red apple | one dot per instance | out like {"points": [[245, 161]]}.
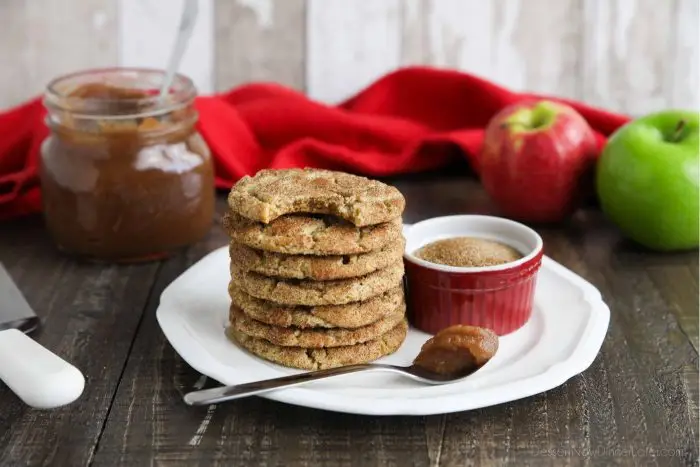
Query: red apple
{"points": [[537, 160]]}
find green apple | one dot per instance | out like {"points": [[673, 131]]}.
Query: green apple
{"points": [[647, 180]]}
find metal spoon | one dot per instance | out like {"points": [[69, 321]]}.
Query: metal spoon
{"points": [[187, 23], [227, 393]]}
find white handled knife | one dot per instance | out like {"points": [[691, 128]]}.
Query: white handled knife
{"points": [[39, 377]]}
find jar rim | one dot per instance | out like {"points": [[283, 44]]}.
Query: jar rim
{"points": [[57, 94]]}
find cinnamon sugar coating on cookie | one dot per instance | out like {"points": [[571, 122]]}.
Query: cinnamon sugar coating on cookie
{"points": [[348, 316], [311, 235], [272, 193], [318, 359], [313, 338], [320, 268], [309, 292]]}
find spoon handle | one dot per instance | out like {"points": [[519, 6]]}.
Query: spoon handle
{"points": [[187, 23], [227, 393]]}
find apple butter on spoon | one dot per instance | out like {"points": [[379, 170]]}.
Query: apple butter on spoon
{"points": [[456, 352], [451, 355]]}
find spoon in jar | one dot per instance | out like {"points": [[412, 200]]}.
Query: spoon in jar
{"points": [[187, 23], [452, 355]]}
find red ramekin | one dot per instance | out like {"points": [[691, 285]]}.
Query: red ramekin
{"points": [[498, 297]]}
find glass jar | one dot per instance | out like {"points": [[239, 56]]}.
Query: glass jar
{"points": [[124, 174]]}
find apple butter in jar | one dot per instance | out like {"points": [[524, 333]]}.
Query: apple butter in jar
{"points": [[125, 175]]}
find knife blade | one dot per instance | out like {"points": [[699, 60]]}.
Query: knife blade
{"points": [[15, 312]]}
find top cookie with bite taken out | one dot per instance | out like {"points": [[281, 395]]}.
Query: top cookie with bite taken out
{"points": [[272, 193]]}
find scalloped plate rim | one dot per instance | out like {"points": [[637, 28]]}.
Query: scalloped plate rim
{"points": [[580, 358]]}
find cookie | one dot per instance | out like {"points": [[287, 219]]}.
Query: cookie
{"points": [[311, 293], [311, 235], [320, 268], [313, 338], [349, 316], [318, 359], [272, 193]]}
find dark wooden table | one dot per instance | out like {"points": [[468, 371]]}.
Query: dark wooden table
{"points": [[636, 405]]}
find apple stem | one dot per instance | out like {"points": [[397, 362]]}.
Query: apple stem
{"points": [[678, 131]]}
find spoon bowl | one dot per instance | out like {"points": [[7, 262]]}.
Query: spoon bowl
{"points": [[414, 372]]}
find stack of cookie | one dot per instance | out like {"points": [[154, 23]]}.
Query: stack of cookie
{"points": [[316, 267]]}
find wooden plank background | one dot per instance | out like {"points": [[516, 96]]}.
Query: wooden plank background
{"points": [[633, 56]]}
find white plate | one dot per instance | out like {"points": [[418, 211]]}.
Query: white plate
{"points": [[561, 339]]}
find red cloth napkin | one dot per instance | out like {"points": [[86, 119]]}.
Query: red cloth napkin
{"points": [[401, 123]]}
